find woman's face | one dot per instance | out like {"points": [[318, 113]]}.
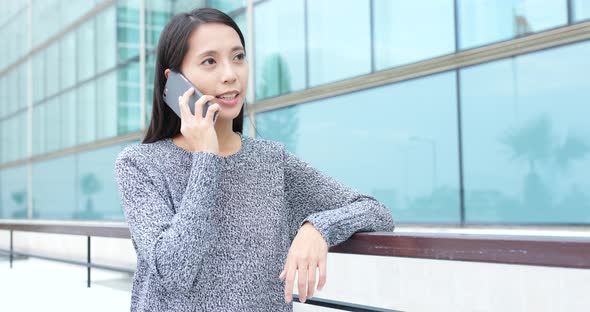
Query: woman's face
{"points": [[216, 64]]}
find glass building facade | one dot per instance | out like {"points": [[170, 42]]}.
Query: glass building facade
{"points": [[462, 138]]}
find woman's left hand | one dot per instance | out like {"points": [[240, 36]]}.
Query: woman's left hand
{"points": [[309, 250]]}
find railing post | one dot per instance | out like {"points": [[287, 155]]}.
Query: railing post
{"points": [[88, 260], [11, 249]]}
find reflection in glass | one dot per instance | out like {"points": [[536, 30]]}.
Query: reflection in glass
{"points": [[97, 193], [227, 6], [412, 167], [54, 186], [279, 59], [526, 138], [487, 21], [128, 113], [581, 10], [339, 40], [13, 193], [406, 32]]}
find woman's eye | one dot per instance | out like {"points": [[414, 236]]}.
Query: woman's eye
{"points": [[240, 56], [209, 59]]}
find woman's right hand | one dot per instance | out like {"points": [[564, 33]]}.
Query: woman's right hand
{"points": [[199, 132]]}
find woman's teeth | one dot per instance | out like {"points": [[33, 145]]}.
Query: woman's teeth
{"points": [[227, 97]]}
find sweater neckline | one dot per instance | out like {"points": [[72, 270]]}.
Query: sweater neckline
{"points": [[229, 159]]}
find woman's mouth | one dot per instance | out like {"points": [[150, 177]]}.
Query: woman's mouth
{"points": [[228, 99]]}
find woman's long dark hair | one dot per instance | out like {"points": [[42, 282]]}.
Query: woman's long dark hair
{"points": [[172, 47]]}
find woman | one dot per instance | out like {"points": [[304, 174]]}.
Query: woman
{"points": [[220, 221]]}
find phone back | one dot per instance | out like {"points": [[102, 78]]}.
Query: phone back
{"points": [[175, 86]]}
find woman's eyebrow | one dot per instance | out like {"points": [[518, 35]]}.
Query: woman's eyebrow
{"points": [[213, 52]]}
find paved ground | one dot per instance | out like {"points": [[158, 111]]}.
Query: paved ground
{"points": [[39, 285]]}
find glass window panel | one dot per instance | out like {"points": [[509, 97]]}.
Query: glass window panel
{"points": [[127, 30], [581, 10], [38, 71], [279, 59], [22, 97], [98, 197], [39, 130], [13, 197], [227, 6], [149, 89], [54, 188], [526, 138], [74, 10], [332, 27], [487, 21], [412, 167], [406, 32], [156, 16], [106, 109], [45, 20], [3, 95], [52, 69], [67, 62], [53, 118], [85, 50], [86, 109], [106, 36], [68, 130], [128, 112]]}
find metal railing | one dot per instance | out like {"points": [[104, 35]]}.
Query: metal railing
{"points": [[511, 249]]}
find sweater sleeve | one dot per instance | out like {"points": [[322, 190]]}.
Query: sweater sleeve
{"points": [[336, 210], [172, 243]]}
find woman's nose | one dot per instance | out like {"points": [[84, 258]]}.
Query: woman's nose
{"points": [[229, 75]]}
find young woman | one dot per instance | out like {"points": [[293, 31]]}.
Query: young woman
{"points": [[220, 221]]}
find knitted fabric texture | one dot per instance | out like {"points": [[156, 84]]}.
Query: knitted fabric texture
{"points": [[212, 233]]}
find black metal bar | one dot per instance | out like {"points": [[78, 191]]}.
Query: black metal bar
{"points": [[460, 146], [88, 268], [81, 263], [11, 249], [344, 306]]}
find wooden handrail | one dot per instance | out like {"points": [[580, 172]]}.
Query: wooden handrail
{"points": [[512, 249]]}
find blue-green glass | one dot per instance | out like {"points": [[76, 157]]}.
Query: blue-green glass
{"points": [[38, 71], [68, 66], [85, 50], [246, 129], [68, 124], [13, 193], [14, 137], [106, 108], [128, 109], [339, 40], [106, 36], [581, 10], [395, 142], [526, 138], [39, 125], [52, 74], [227, 6], [53, 119], [45, 20], [54, 188], [127, 30], [15, 32], [97, 195], [279, 59], [149, 88], [86, 112], [4, 97], [409, 31], [488, 21]]}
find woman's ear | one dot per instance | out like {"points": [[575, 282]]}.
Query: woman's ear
{"points": [[166, 71]]}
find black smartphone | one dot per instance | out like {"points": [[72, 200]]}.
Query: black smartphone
{"points": [[176, 85]]}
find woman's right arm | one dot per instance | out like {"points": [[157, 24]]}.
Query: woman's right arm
{"points": [[173, 244]]}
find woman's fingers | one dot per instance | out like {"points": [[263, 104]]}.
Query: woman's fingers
{"points": [[322, 280], [183, 103], [289, 283], [211, 112], [201, 103], [302, 281], [311, 278]]}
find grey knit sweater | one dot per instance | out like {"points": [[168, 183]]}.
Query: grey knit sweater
{"points": [[212, 233]]}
